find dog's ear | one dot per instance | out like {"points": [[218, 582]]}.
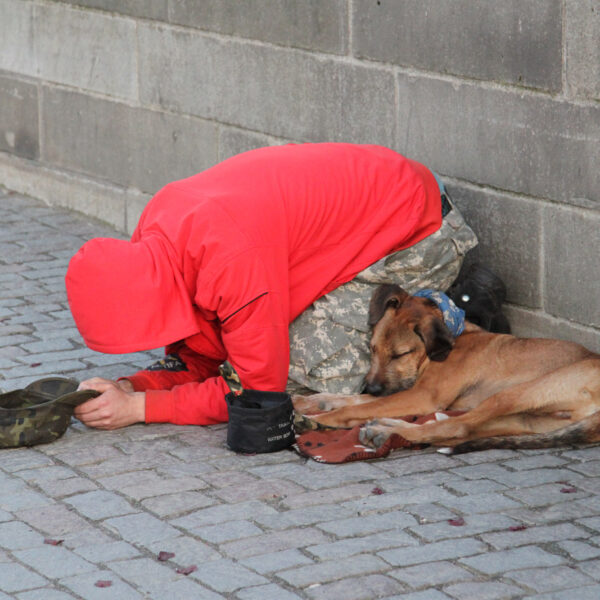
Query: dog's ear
{"points": [[437, 338], [384, 296]]}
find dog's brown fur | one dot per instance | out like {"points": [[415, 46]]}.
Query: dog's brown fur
{"points": [[516, 392]]}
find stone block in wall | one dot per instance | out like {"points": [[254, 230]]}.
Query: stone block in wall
{"points": [[510, 41], [523, 142], [80, 48], [534, 323], [132, 147], [149, 9], [583, 47], [281, 92], [571, 246], [19, 118], [319, 25], [234, 141], [509, 233]]}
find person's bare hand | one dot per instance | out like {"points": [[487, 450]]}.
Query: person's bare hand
{"points": [[117, 406]]}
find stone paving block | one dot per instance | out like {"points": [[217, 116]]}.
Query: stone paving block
{"points": [[276, 561], [186, 549], [23, 500], [437, 551], [53, 519], [580, 550], [549, 493], [160, 581], [534, 535], [225, 532], [363, 525], [474, 524], [42, 594], [425, 595], [469, 487], [332, 570], [84, 585], [270, 591], [54, 562], [522, 42], [538, 461], [489, 590], [525, 557], [226, 576], [163, 486], [581, 593], [481, 503], [107, 552], [317, 25], [15, 535], [15, 578], [403, 498], [141, 528], [100, 505], [273, 542], [334, 495], [346, 92], [357, 545], [563, 511], [431, 574], [170, 505], [356, 588], [222, 513], [551, 578], [67, 487], [304, 516], [263, 489]]}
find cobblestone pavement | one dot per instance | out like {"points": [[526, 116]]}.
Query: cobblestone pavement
{"points": [[266, 527]]}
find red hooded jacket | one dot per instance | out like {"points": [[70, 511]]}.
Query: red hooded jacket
{"points": [[222, 262]]}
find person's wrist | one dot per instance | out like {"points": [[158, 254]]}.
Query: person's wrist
{"points": [[126, 385], [139, 404]]}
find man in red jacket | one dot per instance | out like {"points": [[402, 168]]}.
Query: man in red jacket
{"points": [[221, 263]]}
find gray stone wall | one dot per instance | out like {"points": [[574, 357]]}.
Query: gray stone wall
{"points": [[104, 101]]}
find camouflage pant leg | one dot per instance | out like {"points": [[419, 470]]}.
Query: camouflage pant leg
{"points": [[329, 340]]}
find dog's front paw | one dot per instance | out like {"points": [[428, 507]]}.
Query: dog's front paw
{"points": [[316, 403], [374, 434]]}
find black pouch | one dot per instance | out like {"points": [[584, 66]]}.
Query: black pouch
{"points": [[260, 421]]}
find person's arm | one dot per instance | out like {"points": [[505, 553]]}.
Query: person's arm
{"points": [[258, 348]]}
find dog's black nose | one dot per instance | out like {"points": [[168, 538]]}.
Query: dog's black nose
{"points": [[374, 389]]}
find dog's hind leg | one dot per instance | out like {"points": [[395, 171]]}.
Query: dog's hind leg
{"points": [[586, 431]]}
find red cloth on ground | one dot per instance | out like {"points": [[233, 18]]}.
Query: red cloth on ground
{"points": [[343, 445], [222, 262]]}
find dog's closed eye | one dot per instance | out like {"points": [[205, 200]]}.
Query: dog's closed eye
{"points": [[401, 354]]}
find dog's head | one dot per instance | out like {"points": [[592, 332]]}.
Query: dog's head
{"points": [[406, 332]]}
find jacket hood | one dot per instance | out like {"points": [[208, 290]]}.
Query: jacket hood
{"points": [[129, 296]]}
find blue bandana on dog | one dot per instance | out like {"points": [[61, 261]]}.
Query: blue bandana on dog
{"points": [[454, 317]]}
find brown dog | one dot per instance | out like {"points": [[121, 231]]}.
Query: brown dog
{"points": [[516, 392]]}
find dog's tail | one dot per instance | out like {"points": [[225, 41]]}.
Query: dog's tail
{"points": [[586, 431]]}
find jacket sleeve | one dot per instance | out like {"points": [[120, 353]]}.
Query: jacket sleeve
{"points": [[254, 331]]}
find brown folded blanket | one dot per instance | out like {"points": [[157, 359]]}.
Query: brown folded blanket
{"points": [[343, 445]]}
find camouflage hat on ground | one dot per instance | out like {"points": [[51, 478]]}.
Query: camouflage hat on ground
{"points": [[41, 412]]}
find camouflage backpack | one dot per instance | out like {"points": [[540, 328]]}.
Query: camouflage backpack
{"points": [[40, 413]]}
